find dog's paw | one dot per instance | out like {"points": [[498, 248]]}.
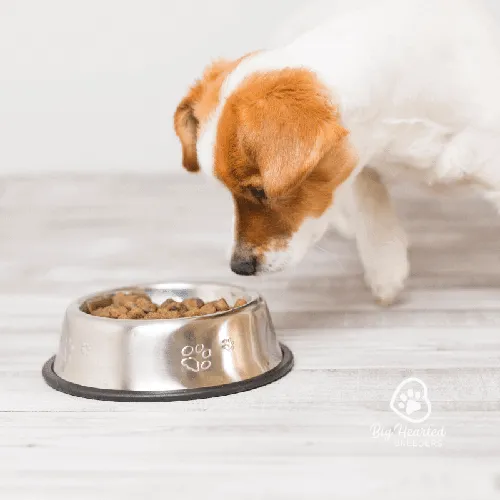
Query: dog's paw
{"points": [[386, 293], [387, 279]]}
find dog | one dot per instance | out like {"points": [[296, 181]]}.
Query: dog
{"points": [[303, 134]]}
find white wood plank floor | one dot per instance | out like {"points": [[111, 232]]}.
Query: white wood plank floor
{"points": [[308, 435]]}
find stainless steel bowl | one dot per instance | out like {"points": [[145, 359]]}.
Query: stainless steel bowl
{"points": [[174, 359]]}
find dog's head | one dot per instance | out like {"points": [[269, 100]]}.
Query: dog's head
{"points": [[276, 143]]}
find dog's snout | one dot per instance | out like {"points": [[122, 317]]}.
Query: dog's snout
{"points": [[244, 265]]}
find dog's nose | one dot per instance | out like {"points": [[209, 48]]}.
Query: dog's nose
{"points": [[244, 266]]}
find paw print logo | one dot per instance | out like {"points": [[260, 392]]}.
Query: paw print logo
{"points": [[85, 348], [410, 401], [196, 358], [227, 344]]}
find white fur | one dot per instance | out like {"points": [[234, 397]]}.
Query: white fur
{"points": [[205, 147], [417, 84], [311, 230], [382, 242]]}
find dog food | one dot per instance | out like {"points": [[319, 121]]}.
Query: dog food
{"points": [[140, 306]]}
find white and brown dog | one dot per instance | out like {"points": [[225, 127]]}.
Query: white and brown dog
{"points": [[300, 134]]}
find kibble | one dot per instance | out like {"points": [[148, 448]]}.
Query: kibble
{"points": [[208, 309], [173, 306], [192, 313], [146, 305], [140, 306], [99, 303], [193, 303], [221, 305], [135, 313]]}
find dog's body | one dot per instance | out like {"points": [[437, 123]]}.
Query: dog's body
{"points": [[300, 133]]}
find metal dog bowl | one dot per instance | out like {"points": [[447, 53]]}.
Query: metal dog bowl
{"points": [[172, 359]]}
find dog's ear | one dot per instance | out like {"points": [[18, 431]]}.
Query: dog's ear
{"points": [[186, 128], [289, 128], [196, 106]]}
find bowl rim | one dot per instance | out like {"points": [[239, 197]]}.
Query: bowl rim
{"points": [[75, 306]]}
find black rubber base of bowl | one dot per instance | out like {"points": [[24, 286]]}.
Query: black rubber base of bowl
{"points": [[61, 385]]}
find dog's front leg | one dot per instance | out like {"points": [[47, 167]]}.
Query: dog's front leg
{"points": [[381, 241]]}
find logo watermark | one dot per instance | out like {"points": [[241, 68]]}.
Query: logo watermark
{"points": [[411, 403]]}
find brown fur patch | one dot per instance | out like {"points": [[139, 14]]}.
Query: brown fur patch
{"points": [[279, 132], [195, 108]]}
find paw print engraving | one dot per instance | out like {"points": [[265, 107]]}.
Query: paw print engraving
{"points": [[196, 358], [410, 401], [85, 348], [227, 344]]}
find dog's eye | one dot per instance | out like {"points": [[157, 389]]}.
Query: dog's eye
{"points": [[258, 193]]}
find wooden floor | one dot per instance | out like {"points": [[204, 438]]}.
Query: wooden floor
{"points": [[308, 435]]}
